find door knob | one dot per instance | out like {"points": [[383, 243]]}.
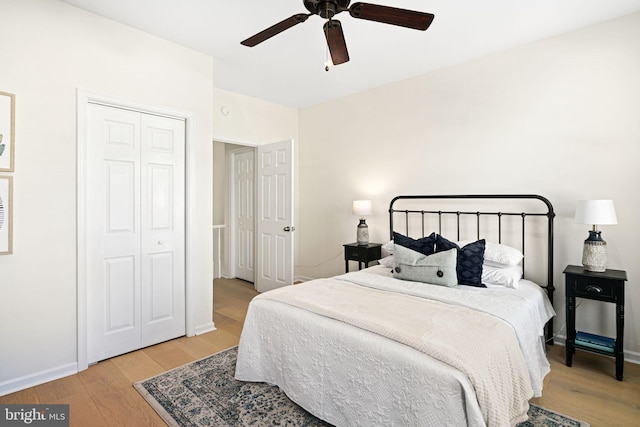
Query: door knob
{"points": [[287, 228], [161, 242]]}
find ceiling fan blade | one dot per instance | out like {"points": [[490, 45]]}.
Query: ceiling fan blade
{"points": [[275, 29], [392, 15], [336, 42]]}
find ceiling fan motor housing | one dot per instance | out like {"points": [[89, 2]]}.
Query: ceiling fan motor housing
{"points": [[326, 8]]}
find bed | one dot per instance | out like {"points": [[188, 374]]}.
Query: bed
{"points": [[385, 347]]}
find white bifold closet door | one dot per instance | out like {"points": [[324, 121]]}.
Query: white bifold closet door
{"points": [[135, 230]]}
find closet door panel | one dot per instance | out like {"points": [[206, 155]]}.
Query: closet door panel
{"points": [[113, 233], [163, 237]]}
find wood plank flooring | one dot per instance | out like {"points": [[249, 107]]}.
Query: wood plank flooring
{"points": [[103, 394]]}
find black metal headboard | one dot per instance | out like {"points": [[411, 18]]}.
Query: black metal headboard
{"points": [[422, 212]]}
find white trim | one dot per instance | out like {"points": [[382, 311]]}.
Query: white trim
{"points": [[234, 142], [83, 99], [203, 329], [191, 234], [37, 378], [217, 245]]}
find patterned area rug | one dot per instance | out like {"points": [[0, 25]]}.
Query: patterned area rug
{"points": [[204, 393]]}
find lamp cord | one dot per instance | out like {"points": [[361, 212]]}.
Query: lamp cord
{"points": [[322, 262]]}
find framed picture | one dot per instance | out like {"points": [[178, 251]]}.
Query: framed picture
{"points": [[6, 214], [7, 131]]}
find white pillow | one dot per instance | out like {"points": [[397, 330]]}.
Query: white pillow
{"points": [[386, 261], [504, 276], [388, 247], [497, 253]]}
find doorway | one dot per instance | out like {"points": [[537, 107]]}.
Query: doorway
{"points": [[142, 206], [258, 218]]}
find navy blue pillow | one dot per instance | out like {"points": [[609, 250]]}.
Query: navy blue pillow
{"points": [[425, 245], [470, 258]]}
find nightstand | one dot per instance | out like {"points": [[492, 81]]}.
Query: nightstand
{"points": [[607, 286], [361, 253]]}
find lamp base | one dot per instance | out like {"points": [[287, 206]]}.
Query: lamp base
{"points": [[594, 253], [362, 233]]}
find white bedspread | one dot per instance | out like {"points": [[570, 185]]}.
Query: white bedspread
{"points": [[355, 377], [526, 309]]}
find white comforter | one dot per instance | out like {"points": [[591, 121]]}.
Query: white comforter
{"points": [[351, 376]]}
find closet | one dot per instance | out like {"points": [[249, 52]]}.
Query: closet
{"points": [[135, 230]]}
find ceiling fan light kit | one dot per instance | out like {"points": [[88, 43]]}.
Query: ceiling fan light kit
{"points": [[327, 9]]}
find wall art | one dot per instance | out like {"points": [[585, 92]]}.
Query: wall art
{"points": [[7, 131], [6, 214]]}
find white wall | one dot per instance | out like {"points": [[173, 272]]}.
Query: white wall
{"points": [[242, 119], [558, 118], [50, 49]]}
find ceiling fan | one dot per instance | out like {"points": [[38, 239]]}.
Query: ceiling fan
{"points": [[327, 9]]}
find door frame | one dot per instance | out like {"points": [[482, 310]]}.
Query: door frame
{"points": [[83, 99], [229, 242]]}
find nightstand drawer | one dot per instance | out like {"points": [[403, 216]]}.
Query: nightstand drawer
{"points": [[355, 253], [585, 287]]}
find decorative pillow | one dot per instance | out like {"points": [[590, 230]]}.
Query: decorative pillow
{"points": [[469, 264], [437, 269], [506, 276], [425, 245], [386, 261], [497, 253]]}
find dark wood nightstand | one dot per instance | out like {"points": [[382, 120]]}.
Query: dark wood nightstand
{"points": [[607, 286], [361, 253]]}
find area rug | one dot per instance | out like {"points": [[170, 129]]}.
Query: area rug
{"points": [[204, 393]]}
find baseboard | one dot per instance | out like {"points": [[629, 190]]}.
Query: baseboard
{"points": [[629, 356], [32, 380], [207, 327], [302, 279]]}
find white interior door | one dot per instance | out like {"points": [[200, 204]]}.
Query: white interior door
{"points": [[244, 215], [275, 224], [135, 275]]}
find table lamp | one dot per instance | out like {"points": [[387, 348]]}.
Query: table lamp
{"points": [[594, 253], [362, 208]]}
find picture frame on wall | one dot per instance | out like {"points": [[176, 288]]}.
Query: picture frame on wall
{"points": [[7, 131], [6, 215]]}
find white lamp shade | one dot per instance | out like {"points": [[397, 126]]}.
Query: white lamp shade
{"points": [[596, 212], [361, 207]]}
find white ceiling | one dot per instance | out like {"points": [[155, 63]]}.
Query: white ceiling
{"points": [[289, 68]]}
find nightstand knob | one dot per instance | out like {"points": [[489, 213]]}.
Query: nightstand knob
{"points": [[592, 288]]}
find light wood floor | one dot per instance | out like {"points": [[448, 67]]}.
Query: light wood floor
{"points": [[103, 394]]}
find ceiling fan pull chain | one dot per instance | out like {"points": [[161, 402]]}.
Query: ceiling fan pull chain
{"points": [[327, 57]]}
